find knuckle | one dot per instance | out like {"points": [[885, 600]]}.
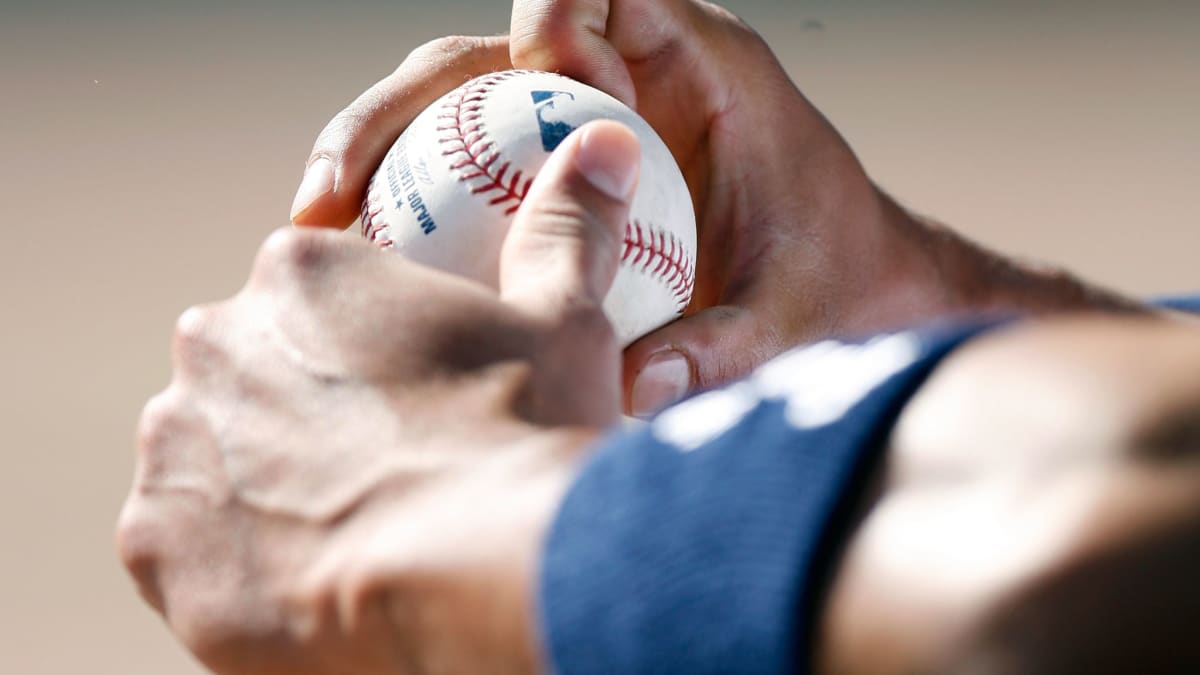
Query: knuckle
{"points": [[374, 113], [288, 248], [295, 254], [135, 539], [583, 322], [138, 547], [536, 40], [446, 51], [559, 219], [161, 419], [194, 340], [311, 608], [569, 221], [194, 323], [586, 315], [167, 431], [531, 51], [364, 591], [333, 601], [347, 124]]}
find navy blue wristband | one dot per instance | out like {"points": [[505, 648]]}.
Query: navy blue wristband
{"points": [[1183, 303], [698, 545]]}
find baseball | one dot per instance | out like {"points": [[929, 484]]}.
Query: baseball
{"points": [[447, 190]]}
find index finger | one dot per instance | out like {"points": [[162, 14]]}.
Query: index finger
{"points": [[571, 37], [350, 148]]}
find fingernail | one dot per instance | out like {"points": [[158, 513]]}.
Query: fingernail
{"points": [[663, 381], [609, 158], [318, 182]]}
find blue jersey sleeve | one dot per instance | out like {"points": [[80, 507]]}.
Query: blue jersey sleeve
{"points": [[1183, 303], [697, 544]]}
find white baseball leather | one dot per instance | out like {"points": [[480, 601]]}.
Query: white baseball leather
{"points": [[446, 193]]}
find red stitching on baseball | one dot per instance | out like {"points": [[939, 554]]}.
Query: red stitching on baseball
{"points": [[373, 225], [673, 268], [468, 141]]}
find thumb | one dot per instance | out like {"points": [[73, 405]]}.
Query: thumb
{"points": [[700, 351], [564, 246]]}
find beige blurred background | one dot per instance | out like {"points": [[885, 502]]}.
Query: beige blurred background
{"points": [[149, 146]]}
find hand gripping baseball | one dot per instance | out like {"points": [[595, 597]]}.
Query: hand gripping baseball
{"points": [[794, 242], [785, 216]]}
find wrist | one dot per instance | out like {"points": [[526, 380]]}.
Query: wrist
{"points": [[975, 279], [944, 273]]}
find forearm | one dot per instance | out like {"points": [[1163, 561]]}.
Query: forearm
{"points": [[1054, 524], [977, 278], [957, 276]]}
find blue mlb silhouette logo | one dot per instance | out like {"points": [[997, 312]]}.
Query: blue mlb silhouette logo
{"points": [[553, 130]]}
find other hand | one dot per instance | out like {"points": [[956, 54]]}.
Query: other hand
{"points": [[353, 466]]}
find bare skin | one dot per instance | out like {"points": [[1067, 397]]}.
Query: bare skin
{"points": [[354, 464], [786, 214], [1038, 512]]}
